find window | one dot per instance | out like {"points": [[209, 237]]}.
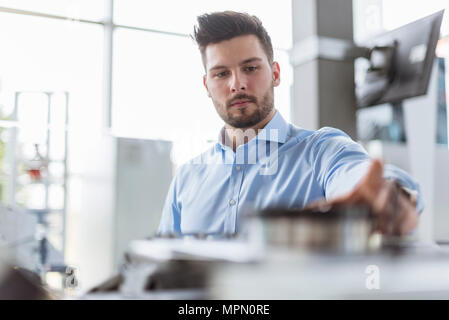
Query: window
{"points": [[179, 16], [399, 12], [47, 55], [157, 75], [77, 9]]}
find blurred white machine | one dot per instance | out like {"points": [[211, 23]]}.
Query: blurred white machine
{"points": [[144, 173], [18, 236]]}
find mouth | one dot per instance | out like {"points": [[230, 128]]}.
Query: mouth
{"points": [[241, 103]]}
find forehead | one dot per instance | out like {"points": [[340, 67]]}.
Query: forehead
{"points": [[232, 52]]}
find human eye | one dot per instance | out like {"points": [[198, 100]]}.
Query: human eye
{"points": [[250, 68], [221, 74]]}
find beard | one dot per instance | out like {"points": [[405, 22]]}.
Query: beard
{"points": [[246, 117]]}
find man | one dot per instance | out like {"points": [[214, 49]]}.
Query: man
{"points": [[262, 161]]}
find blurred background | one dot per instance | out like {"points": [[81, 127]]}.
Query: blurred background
{"points": [[101, 101]]}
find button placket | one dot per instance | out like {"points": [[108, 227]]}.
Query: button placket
{"points": [[238, 178]]}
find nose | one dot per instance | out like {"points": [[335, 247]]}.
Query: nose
{"points": [[238, 82]]}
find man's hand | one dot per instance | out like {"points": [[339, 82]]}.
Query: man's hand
{"points": [[396, 214]]}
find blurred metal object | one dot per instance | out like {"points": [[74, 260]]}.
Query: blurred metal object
{"points": [[179, 263], [188, 263], [342, 230], [21, 284]]}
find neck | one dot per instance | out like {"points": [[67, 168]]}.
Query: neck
{"points": [[235, 137]]}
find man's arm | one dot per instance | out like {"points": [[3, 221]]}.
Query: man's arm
{"points": [[396, 213], [171, 214], [349, 177]]}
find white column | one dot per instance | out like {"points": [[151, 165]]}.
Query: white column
{"points": [[420, 124], [323, 88]]}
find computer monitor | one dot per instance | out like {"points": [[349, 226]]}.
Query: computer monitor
{"points": [[401, 62]]}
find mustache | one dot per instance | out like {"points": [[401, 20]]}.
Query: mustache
{"points": [[241, 97]]}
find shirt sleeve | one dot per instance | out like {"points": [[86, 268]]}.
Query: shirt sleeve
{"points": [[171, 213], [341, 163]]}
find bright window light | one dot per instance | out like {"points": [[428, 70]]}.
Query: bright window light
{"points": [[77, 9], [51, 55], [400, 12], [180, 16]]}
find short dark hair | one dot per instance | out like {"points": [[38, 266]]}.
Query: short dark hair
{"points": [[219, 26]]}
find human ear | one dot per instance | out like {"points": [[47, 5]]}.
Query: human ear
{"points": [[205, 85], [276, 72]]}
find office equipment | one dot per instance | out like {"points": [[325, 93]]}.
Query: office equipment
{"points": [[418, 272], [401, 62], [342, 230], [138, 199], [18, 236], [189, 268]]}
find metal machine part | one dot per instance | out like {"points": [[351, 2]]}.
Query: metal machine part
{"points": [[339, 230], [21, 284]]}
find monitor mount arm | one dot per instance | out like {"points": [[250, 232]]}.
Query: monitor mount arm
{"points": [[381, 59]]}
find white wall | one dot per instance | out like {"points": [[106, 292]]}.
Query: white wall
{"points": [[397, 154]]}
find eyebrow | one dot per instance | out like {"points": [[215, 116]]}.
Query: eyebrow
{"points": [[241, 63]]}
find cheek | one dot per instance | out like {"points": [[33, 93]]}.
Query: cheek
{"points": [[217, 89], [258, 84], [263, 82]]}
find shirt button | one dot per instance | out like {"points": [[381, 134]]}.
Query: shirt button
{"points": [[232, 202], [237, 168]]}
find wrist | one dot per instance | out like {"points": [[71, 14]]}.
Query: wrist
{"points": [[408, 193]]}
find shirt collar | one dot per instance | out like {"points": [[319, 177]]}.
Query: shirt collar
{"points": [[276, 125]]}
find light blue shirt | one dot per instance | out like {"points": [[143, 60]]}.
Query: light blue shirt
{"points": [[282, 166]]}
